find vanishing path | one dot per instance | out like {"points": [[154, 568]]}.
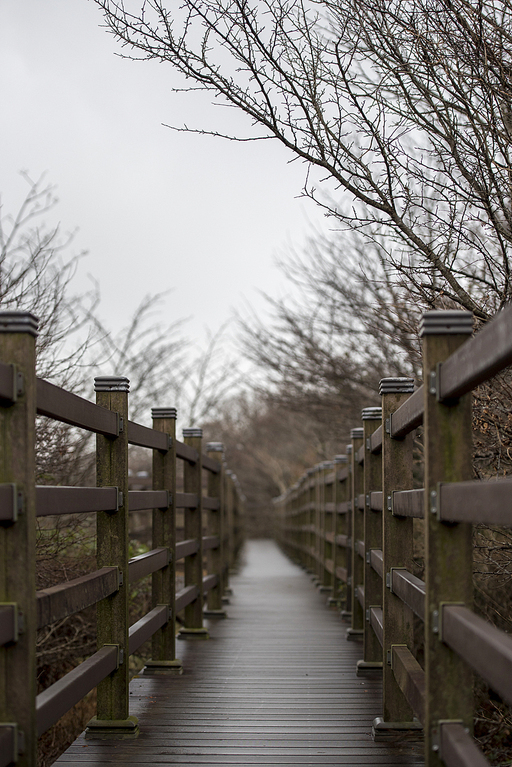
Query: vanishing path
{"points": [[275, 685]]}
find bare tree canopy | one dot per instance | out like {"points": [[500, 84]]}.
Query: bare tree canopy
{"points": [[403, 105]]}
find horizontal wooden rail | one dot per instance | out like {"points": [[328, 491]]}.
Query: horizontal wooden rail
{"points": [[410, 678], [186, 501], [360, 595], [213, 504], [9, 502], [485, 648], [410, 589], [66, 692], [360, 549], [377, 624], [210, 581], [186, 452], [139, 500], [457, 748], [8, 383], [408, 416], [185, 596], [65, 599], [8, 624], [376, 501], [377, 561], [61, 405], [57, 500], [144, 629], [143, 436], [210, 465], [343, 474], [145, 564], [186, 548], [376, 441], [210, 542], [8, 746], [476, 502], [408, 503], [478, 359], [342, 574]]}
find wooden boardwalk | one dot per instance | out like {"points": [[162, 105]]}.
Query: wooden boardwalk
{"points": [[275, 685]]}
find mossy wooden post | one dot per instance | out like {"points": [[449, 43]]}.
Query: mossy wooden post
{"points": [[357, 570], [113, 720], [397, 551], [215, 526], [192, 483], [372, 651], [338, 527], [448, 547], [18, 332], [163, 643]]}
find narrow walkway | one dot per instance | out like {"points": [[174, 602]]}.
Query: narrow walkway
{"points": [[275, 685]]}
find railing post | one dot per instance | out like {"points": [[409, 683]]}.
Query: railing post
{"points": [[18, 332], [113, 720], [397, 552], [372, 651], [192, 482], [448, 547], [163, 643], [357, 572], [215, 526]]}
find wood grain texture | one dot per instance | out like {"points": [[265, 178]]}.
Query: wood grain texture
{"points": [[275, 685]]}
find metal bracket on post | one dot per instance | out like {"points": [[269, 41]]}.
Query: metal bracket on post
{"points": [[432, 382]]}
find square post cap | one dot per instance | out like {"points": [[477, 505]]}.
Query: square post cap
{"points": [[215, 447], [164, 412], [19, 322], [357, 433], [452, 322], [111, 383], [192, 432], [341, 458], [396, 386], [371, 414]]}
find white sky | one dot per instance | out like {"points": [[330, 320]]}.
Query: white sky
{"points": [[154, 208]]}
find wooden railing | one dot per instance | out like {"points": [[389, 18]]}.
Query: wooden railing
{"points": [[352, 527], [212, 525]]}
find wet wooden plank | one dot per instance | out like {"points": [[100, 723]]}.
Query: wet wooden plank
{"points": [[275, 685]]}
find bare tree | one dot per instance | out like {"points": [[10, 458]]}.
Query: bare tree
{"points": [[402, 106], [348, 322], [36, 271]]}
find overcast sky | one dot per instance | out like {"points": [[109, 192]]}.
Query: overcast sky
{"points": [[156, 209]]}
